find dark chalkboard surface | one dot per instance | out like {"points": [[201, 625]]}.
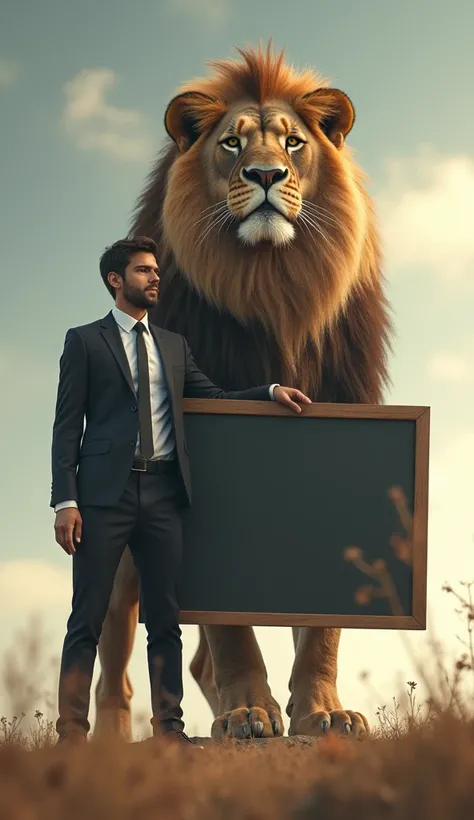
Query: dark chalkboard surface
{"points": [[279, 498]]}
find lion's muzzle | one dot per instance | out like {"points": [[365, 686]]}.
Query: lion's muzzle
{"points": [[262, 197], [265, 178]]}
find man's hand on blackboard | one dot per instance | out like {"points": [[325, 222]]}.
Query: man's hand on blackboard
{"points": [[291, 397]]}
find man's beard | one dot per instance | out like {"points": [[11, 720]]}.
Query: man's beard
{"points": [[139, 298]]}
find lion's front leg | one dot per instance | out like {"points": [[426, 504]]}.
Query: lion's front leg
{"points": [[202, 670], [114, 690], [246, 706], [314, 707]]}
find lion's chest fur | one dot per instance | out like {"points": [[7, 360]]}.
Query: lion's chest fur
{"points": [[349, 365], [236, 356], [232, 355]]}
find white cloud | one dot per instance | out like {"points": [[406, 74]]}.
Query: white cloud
{"points": [[33, 586], [449, 367], [8, 72], [96, 125], [427, 212], [208, 12]]}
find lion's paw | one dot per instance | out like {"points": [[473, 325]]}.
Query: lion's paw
{"points": [[345, 723], [245, 723]]}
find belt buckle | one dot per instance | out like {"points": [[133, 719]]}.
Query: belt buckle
{"points": [[140, 469]]}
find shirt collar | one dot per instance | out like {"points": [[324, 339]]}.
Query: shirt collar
{"points": [[126, 322]]}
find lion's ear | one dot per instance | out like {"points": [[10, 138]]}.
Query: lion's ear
{"points": [[190, 114], [331, 110]]}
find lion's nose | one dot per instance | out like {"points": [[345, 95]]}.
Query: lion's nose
{"points": [[263, 177]]}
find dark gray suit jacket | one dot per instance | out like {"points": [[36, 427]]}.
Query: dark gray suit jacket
{"points": [[95, 383]]}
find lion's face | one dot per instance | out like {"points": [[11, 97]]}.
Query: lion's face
{"points": [[262, 162]]}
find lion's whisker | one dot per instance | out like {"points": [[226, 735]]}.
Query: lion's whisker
{"points": [[217, 211], [222, 218], [314, 220], [307, 226], [229, 220], [315, 205], [206, 233], [308, 204], [220, 223], [309, 221], [212, 218], [320, 212], [320, 221], [216, 204]]}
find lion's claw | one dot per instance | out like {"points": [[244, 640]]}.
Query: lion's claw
{"points": [[334, 722], [258, 728], [243, 724]]}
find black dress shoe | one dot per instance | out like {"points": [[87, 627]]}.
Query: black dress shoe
{"points": [[72, 739], [181, 737]]}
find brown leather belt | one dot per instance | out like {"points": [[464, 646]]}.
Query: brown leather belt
{"points": [[160, 466]]}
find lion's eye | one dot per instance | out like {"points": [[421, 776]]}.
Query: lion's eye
{"points": [[294, 142], [231, 142]]}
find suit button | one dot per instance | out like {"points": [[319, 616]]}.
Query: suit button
{"points": [[132, 443], [134, 409]]}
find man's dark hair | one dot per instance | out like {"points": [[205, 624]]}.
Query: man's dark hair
{"points": [[117, 256]]}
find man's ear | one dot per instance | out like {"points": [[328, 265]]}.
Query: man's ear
{"points": [[189, 114], [331, 110], [113, 279]]}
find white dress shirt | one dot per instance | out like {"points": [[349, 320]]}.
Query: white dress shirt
{"points": [[161, 422], [162, 425]]}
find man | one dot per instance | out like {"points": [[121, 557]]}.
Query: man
{"points": [[125, 479]]}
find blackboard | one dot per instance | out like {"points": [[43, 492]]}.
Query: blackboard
{"points": [[279, 498]]}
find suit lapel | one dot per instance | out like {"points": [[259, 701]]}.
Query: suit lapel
{"points": [[110, 332]]}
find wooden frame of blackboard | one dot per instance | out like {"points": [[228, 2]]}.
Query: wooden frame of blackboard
{"points": [[421, 417]]}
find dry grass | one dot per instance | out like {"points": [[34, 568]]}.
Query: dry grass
{"points": [[419, 763], [423, 773]]}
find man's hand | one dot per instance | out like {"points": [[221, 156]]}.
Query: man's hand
{"points": [[291, 397], [67, 528]]}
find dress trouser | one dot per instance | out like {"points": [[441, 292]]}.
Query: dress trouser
{"points": [[148, 519]]}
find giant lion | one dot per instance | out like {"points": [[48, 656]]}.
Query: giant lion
{"points": [[270, 267]]}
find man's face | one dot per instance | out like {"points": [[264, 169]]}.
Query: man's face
{"points": [[140, 286]]}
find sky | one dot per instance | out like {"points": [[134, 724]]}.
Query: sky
{"points": [[83, 89]]}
